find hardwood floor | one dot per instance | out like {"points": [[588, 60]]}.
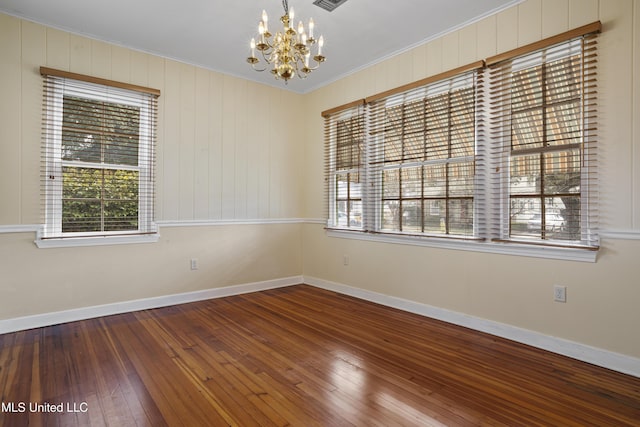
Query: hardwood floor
{"points": [[296, 356]]}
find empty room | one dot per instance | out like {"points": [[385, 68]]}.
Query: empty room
{"points": [[320, 213]]}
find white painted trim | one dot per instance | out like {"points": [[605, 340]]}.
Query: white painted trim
{"points": [[218, 222], [620, 234], [34, 228], [72, 242], [320, 221], [19, 228], [48, 319], [549, 252], [596, 356], [66, 242]]}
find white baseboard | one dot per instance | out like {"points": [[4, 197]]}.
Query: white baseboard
{"points": [[224, 222], [607, 359], [48, 319], [596, 356]]}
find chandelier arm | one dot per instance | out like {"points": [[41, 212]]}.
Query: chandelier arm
{"points": [[304, 72], [257, 69], [266, 56], [316, 67]]}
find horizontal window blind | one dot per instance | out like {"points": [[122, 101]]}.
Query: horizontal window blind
{"points": [[422, 159], [543, 145], [344, 166], [98, 157]]}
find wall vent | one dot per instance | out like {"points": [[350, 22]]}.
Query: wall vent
{"points": [[328, 5]]}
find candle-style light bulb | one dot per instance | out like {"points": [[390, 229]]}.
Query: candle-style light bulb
{"points": [[306, 59], [261, 28], [320, 44], [265, 19], [291, 15], [300, 27], [311, 25], [253, 47]]}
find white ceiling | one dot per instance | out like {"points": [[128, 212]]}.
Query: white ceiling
{"points": [[215, 34]]}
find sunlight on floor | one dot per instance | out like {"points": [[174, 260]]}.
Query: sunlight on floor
{"points": [[407, 411], [350, 376]]}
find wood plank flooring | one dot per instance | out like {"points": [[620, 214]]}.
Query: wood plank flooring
{"points": [[296, 356]]}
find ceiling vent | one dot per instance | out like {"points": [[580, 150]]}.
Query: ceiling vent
{"points": [[328, 5]]}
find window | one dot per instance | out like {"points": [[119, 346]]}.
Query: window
{"points": [[499, 151], [98, 157], [543, 127], [404, 162], [422, 166], [345, 167]]}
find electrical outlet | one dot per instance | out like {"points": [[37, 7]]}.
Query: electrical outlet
{"points": [[560, 293], [194, 264]]}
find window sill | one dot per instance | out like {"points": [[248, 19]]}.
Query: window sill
{"points": [[70, 242], [516, 249]]}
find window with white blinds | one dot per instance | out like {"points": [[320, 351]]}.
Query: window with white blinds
{"points": [[344, 174], [421, 167], [543, 145], [502, 150], [97, 157]]}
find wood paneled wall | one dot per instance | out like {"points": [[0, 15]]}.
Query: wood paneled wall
{"points": [[227, 148]]}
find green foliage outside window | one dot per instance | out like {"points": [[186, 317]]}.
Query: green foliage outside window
{"points": [[100, 198]]}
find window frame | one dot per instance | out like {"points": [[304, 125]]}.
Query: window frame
{"points": [[349, 112], [354, 120], [59, 84], [377, 164], [501, 116]]}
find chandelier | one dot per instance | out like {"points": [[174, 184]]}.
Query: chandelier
{"points": [[288, 52]]}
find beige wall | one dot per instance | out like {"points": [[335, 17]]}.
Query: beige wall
{"points": [[39, 281], [602, 307], [224, 153]]}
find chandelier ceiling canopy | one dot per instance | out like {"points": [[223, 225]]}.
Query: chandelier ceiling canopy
{"points": [[287, 53]]}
